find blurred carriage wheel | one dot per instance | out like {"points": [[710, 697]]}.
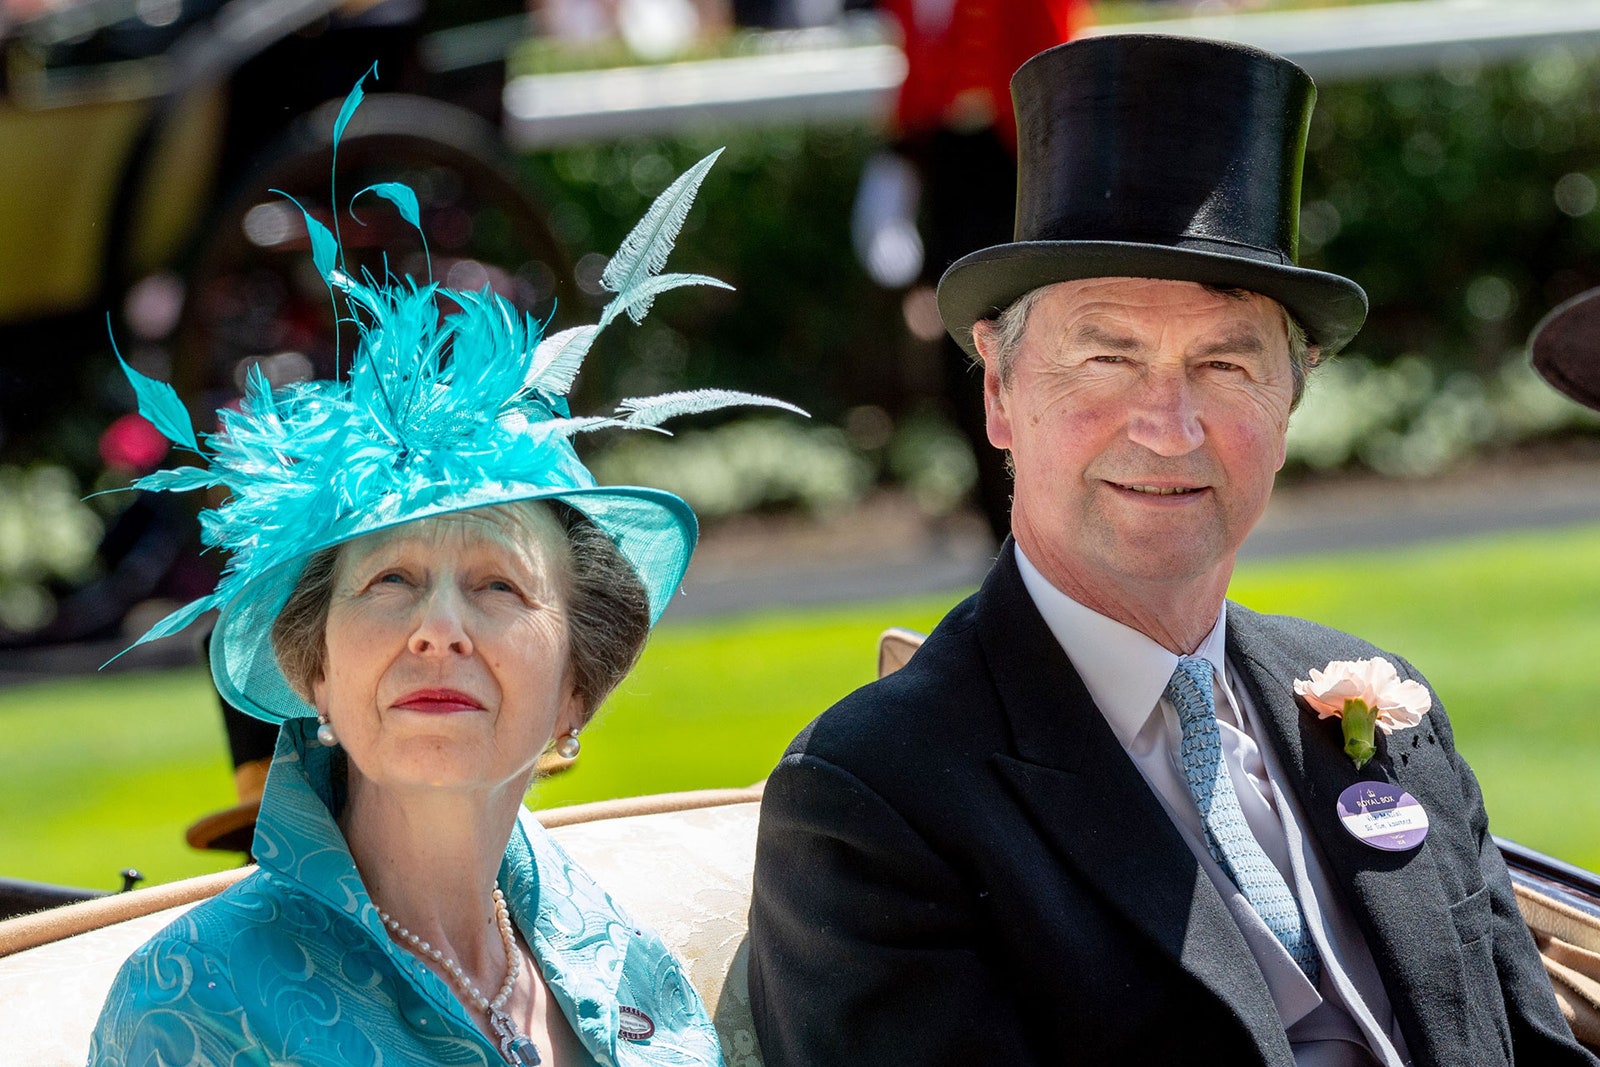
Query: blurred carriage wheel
{"points": [[255, 297]]}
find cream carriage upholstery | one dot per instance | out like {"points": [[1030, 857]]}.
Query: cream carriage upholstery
{"points": [[679, 862]]}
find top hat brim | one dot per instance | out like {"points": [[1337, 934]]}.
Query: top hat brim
{"points": [[981, 285], [1565, 348]]}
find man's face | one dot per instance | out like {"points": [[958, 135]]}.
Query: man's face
{"points": [[1146, 420]]}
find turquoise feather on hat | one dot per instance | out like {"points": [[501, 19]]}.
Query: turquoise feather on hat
{"points": [[454, 400]]}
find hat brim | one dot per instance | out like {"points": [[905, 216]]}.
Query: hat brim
{"points": [[230, 830], [983, 284], [654, 530], [1565, 348]]}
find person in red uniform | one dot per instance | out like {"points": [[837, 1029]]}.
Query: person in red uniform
{"points": [[957, 130]]}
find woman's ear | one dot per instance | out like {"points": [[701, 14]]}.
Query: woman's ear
{"points": [[572, 718]]}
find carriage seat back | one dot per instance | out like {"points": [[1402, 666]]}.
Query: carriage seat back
{"points": [[678, 862]]}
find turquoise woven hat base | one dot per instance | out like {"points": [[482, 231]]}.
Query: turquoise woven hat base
{"points": [[455, 401], [654, 530]]}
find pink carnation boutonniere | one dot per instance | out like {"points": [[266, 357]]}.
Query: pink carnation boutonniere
{"points": [[1362, 694]]}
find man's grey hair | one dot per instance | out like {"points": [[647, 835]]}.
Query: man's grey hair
{"points": [[1008, 327]]}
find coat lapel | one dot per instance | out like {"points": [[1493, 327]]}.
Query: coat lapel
{"points": [[570, 924], [1086, 798], [1397, 897]]}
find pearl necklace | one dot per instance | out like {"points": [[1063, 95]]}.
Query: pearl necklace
{"points": [[515, 1047]]}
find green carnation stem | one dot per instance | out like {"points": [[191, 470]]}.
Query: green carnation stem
{"points": [[1359, 721]]}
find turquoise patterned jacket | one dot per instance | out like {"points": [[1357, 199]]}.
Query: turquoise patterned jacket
{"points": [[292, 965]]}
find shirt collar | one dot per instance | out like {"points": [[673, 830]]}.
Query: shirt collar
{"points": [[1124, 670]]}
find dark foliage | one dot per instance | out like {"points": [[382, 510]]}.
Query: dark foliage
{"points": [[1463, 199]]}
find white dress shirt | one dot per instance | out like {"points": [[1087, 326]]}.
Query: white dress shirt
{"points": [[1346, 1019]]}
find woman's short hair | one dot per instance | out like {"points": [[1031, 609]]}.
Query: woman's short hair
{"points": [[608, 609]]}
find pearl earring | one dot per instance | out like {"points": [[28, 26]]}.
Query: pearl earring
{"points": [[567, 745], [325, 735]]}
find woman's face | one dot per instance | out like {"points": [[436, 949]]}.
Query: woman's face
{"points": [[446, 659]]}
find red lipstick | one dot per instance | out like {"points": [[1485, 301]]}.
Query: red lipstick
{"points": [[438, 701]]}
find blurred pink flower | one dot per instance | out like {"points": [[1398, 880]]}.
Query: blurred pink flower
{"points": [[134, 444]]}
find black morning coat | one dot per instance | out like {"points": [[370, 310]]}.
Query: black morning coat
{"points": [[959, 864]]}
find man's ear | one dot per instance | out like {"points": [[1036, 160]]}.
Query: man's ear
{"points": [[1313, 359], [996, 413]]}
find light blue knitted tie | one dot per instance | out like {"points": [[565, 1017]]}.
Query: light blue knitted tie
{"points": [[1228, 835]]}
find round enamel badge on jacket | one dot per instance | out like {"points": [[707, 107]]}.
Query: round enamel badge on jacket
{"points": [[633, 1024], [1383, 816]]}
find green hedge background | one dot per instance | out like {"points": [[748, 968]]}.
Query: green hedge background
{"points": [[1462, 198]]}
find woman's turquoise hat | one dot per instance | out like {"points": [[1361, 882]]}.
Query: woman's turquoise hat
{"points": [[454, 401]]}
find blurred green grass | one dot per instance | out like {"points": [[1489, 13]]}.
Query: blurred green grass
{"points": [[101, 773]]}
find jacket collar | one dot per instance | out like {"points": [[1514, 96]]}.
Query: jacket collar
{"points": [[1075, 780], [297, 839], [1398, 898], [577, 934]]}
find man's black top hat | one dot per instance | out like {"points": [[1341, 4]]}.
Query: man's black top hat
{"points": [[1566, 348], [1147, 156]]}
